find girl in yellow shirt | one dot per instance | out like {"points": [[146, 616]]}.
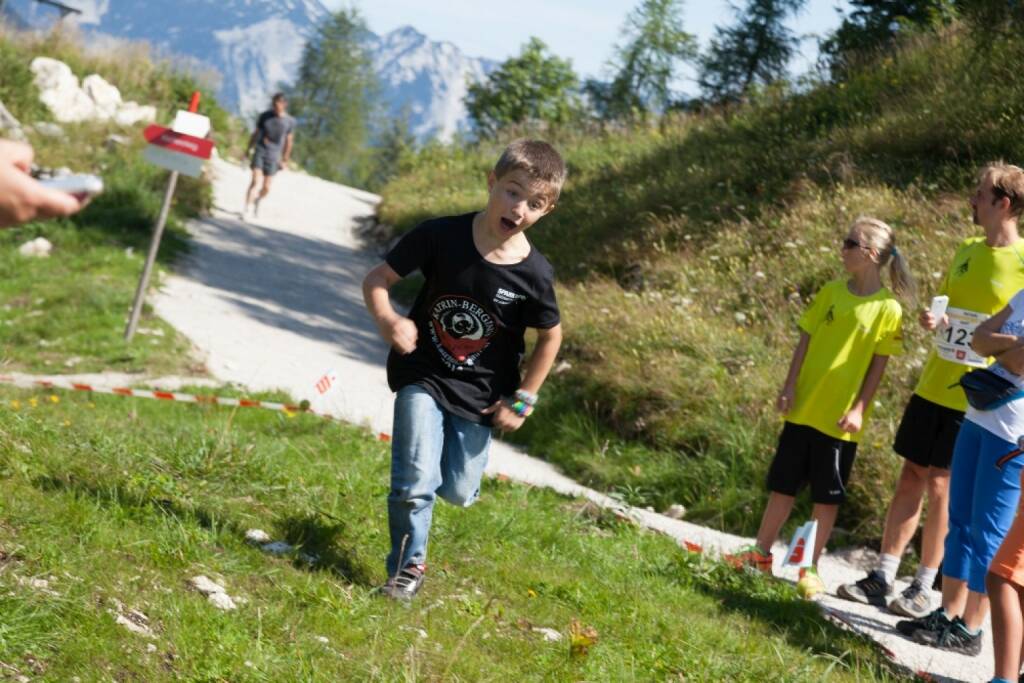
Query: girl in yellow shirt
{"points": [[846, 337]]}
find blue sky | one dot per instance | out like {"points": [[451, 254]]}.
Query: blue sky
{"points": [[583, 30]]}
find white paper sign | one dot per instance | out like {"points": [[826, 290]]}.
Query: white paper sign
{"points": [[953, 342], [801, 548]]}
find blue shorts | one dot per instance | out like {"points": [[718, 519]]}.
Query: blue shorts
{"points": [[266, 161], [982, 502]]}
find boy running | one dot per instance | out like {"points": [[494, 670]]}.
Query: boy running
{"points": [[455, 360]]}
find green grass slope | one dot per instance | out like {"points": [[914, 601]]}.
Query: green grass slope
{"points": [[115, 504], [687, 250]]}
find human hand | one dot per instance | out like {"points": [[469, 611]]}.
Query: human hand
{"points": [[852, 421], [22, 197], [930, 322], [401, 333], [785, 399], [505, 419]]}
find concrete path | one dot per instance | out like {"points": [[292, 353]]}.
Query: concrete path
{"points": [[276, 302]]}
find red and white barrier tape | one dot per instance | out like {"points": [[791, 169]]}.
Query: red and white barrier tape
{"points": [[288, 408]]}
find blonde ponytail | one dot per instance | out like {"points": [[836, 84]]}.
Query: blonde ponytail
{"points": [[879, 236]]}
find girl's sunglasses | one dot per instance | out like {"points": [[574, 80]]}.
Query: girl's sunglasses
{"points": [[852, 244]]}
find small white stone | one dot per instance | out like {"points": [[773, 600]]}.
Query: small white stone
{"points": [[550, 634], [675, 511], [758, 275], [740, 317], [256, 535], [205, 585], [40, 247], [790, 245], [151, 648], [323, 639], [222, 601]]}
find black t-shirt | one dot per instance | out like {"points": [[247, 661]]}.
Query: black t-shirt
{"points": [[471, 316]]}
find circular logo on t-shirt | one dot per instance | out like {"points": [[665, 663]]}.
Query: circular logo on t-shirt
{"points": [[460, 329]]}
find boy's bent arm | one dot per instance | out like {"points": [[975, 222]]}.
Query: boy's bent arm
{"points": [[397, 330], [542, 358]]}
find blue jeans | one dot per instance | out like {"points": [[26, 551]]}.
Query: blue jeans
{"points": [[433, 453], [982, 503]]}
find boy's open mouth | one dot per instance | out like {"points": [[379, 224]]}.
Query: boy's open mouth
{"points": [[508, 224]]}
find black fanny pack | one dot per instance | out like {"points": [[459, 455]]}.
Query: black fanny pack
{"points": [[987, 391]]}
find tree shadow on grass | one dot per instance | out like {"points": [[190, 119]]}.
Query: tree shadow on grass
{"points": [[306, 533]]}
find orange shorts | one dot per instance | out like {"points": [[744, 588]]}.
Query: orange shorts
{"points": [[1009, 560]]}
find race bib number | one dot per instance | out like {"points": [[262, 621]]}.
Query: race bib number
{"points": [[953, 343]]}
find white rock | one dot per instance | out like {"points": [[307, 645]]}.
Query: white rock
{"points": [[759, 275], [740, 318], [139, 628], [256, 535], [60, 92], [222, 601], [205, 585], [151, 648], [675, 511], [563, 366], [105, 96], [131, 113], [40, 247], [550, 634], [322, 639]]}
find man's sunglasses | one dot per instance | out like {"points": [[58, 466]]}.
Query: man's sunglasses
{"points": [[853, 244]]}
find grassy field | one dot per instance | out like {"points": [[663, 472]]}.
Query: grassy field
{"points": [[687, 249], [109, 506], [67, 313]]}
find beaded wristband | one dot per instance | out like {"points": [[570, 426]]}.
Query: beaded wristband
{"points": [[520, 408]]}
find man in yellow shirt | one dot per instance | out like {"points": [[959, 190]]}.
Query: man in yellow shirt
{"points": [[985, 274]]}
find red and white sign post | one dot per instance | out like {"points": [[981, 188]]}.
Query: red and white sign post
{"points": [[182, 148]]}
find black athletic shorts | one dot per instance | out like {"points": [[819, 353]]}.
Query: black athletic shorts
{"points": [[804, 456], [927, 433]]}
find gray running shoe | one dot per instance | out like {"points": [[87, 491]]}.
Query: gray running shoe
{"points": [[955, 638], [405, 584], [913, 602], [935, 620], [873, 589]]}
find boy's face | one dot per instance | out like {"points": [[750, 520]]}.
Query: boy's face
{"points": [[516, 202], [280, 106]]}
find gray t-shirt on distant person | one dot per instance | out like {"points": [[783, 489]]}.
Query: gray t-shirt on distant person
{"points": [[273, 130]]}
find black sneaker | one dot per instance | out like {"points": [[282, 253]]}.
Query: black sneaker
{"points": [[405, 584], [913, 602], [955, 638], [934, 621], [873, 589]]}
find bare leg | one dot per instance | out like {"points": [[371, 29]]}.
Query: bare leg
{"points": [[905, 509], [250, 194], [935, 526], [975, 610], [1006, 625], [776, 512], [954, 596], [264, 191], [826, 517]]}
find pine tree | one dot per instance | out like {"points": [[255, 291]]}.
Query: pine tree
{"points": [[646, 64], [755, 50], [873, 24], [334, 99]]}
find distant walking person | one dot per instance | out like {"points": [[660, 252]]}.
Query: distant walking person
{"points": [[272, 140]]}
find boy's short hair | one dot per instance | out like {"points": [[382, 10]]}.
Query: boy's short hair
{"points": [[1007, 181], [538, 159], [278, 96]]}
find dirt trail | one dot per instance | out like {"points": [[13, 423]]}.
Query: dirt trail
{"points": [[275, 302]]}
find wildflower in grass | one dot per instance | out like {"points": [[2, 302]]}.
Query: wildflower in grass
{"points": [[16, 405], [289, 414], [91, 404], [33, 402], [54, 398], [531, 593], [67, 423]]}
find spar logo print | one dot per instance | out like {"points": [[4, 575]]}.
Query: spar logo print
{"points": [[461, 329]]}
